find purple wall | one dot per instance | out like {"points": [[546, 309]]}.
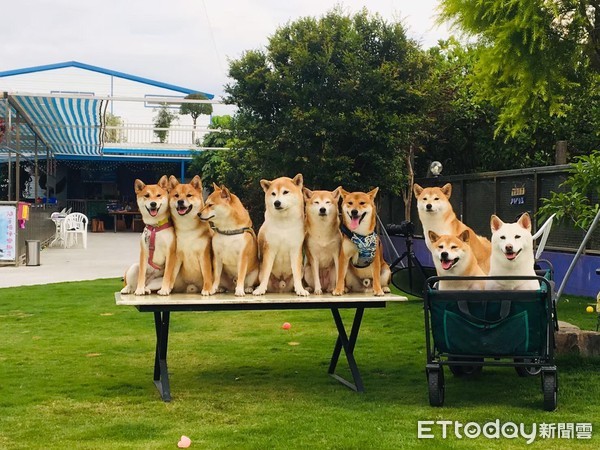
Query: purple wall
{"points": [[583, 280]]}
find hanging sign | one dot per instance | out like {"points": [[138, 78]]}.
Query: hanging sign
{"points": [[8, 232], [517, 196]]}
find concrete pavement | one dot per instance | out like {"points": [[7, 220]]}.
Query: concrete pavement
{"points": [[108, 255]]}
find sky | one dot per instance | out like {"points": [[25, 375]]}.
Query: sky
{"points": [[182, 42]]}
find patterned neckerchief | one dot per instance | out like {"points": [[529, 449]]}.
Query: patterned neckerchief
{"points": [[367, 246]]}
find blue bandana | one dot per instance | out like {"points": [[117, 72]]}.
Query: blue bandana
{"points": [[366, 245]]}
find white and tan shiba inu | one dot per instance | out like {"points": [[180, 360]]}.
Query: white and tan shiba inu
{"points": [[512, 254], [453, 257], [235, 251], [436, 214], [322, 240], [281, 236], [361, 262], [157, 244], [193, 267]]}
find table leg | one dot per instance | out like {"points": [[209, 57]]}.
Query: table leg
{"points": [[161, 373], [348, 345]]}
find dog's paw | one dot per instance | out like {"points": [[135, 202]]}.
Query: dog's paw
{"points": [[302, 292], [338, 292], [248, 290], [127, 290], [205, 292], [379, 293], [259, 291], [240, 292], [386, 290], [318, 292], [164, 292], [142, 291]]}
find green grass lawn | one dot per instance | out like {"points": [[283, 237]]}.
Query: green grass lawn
{"points": [[76, 372]]}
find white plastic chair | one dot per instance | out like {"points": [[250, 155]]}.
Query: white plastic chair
{"points": [[74, 225], [544, 232]]}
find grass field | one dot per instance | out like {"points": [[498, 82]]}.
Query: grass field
{"points": [[76, 373]]}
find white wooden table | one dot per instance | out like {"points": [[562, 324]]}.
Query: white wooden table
{"points": [[162, 306]]}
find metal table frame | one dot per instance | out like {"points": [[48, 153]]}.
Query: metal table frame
{"points": [[163, 306]]}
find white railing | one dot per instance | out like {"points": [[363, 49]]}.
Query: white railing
{"points": [[147, 134]]}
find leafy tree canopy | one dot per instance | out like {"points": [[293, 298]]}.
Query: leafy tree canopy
{"points": [[536, 54], [195, 110]]}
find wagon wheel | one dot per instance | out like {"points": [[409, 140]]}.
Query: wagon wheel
{"points": [[435, 381], [465, 370], [527, 371], [550, 389]]}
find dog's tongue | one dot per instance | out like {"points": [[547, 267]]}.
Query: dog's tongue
{"points": [[153, 212], [511, 256], [354, 223], [447, 264], [182, 210]]}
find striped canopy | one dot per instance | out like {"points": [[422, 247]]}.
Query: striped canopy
{"points": [[67, 126]]}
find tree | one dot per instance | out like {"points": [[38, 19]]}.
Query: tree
{"points": [[582, 188], [335, 98], [536, 54], [195, 110], [115, 131], [162, 122]]}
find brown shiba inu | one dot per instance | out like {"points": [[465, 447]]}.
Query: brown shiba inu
{"points": [[193, 267], [436, 214], [512, 254], [323, 239], [157, 245], [281, 236], [452, 256], [235, 251], [361, 249]]}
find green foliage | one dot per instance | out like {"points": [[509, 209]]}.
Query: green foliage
{"points": [[195, 110], [163, 120], [535, 54], [114, 134], [582, 188], [337, 99]]}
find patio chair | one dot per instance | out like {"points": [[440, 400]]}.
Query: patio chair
{"points": [[75, 224]]}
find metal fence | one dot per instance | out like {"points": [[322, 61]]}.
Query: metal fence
{"points": [[508, 194]]}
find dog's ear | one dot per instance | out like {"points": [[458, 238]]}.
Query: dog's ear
{"points": [[307, 193], [373, 193], [265, 184], [495, 223], [216, 186], [447, 190], [197, 182], [164, 182], [337, 193], [343, 192], [138, 185], [525, 221], [298, 180], [465, 236], [173, 181], [417, 189], [225, 193], [433, 236]]}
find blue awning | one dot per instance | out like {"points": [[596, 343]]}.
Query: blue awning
{"points": [[68, 126]]}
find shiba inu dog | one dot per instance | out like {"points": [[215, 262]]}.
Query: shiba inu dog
{"points": [[361, 262], [322, 240], [157, 244], [281, 236], [235, 251], [436, 214], [452, 256], [512, 254], [193, 267]]}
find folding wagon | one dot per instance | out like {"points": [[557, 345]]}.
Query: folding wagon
{"points": [[466, 330]]}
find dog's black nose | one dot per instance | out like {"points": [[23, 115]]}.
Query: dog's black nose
{"points": [[277, 204], [322, 210], [180, 202], [153, 205], [429, 206], [354, 212], [444, 255], [509, 248]]}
